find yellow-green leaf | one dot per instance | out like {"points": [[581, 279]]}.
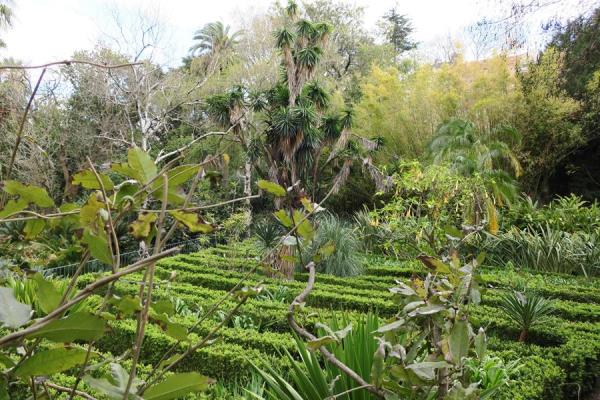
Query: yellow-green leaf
{"points": [[88, 180], [49, 296], [29, 193], [76, 326], [177, 386], [51, 361], [192, 221], [272, 187], [142, 164], [283, 218], [140, 228]]}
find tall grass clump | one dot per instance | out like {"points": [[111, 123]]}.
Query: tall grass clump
{"points": [[345, 260], [545, 249]]}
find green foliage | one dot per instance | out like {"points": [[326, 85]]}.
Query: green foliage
{"points": [[527, 310], [345, 259], [544, 248], [308, 379], [406, 107]]}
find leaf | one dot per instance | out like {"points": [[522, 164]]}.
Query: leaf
{"points": [[283, 218], [435, 264], [426, 370], [29, 193], [177, 386], [163, 307], [392, 326], [176, 331], [143, 165], [98, 245], [125, 193], [183, 173], [192, 221], [458, 341], [342, 333], [48, 295], [306, 203], [305, 228], [115, 388], [33, 227], [76, 326], [140, 228], [272, 187], [13, 207], [378, 365], [430, 309], [88, 180], [322, 341], [127, 304], [12, 313], [51, 361], [480, 344]]}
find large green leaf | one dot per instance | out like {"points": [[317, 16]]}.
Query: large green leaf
{"points": [[192, 221], [51, 361], [177, 386], [305, 228], [76, 326], [139, 166], [272, 187], [283, 218], [142, 163], [12, 313], [181, 174], [29, 193], [88, 180], [98, 245], [48, 295], [13, 207], [33, 227], [458, 341]]}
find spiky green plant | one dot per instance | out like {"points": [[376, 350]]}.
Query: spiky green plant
{"points": [[312, 379], [526, 309], [345, 260]]}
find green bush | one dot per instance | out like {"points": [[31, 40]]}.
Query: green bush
{"points": [[345, 260]]}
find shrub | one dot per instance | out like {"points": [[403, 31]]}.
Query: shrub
{"points": [[544, 248], [345, 260], [526, 310]]}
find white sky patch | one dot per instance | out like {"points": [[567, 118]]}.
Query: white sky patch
{"points": [[49, 30]]}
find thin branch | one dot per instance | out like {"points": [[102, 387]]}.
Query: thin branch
{"points": [[208, 206], [301, 298], [83, 294], [11, 163], [68, 390], [69, 62]]}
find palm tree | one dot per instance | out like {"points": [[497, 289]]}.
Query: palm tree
{"points": [[487, 153], [216, 43]]}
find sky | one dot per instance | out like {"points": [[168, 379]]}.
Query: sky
{"points": [[50, 30]]}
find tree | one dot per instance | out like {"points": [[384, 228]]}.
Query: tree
{"points": [[396, 29], [6, 17], [216, 44]]}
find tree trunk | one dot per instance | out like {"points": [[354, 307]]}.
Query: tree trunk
{"points": [[523, 336]]}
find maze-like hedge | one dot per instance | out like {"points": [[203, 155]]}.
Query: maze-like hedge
{"points": [[561, 358]]}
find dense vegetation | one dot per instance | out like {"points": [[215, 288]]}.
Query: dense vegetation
{"points": [[353, 222]]}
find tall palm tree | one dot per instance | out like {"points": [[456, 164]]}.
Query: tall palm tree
{"points": [[215, 41]]}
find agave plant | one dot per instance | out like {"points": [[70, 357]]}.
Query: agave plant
{"points": [[525, 309]]}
